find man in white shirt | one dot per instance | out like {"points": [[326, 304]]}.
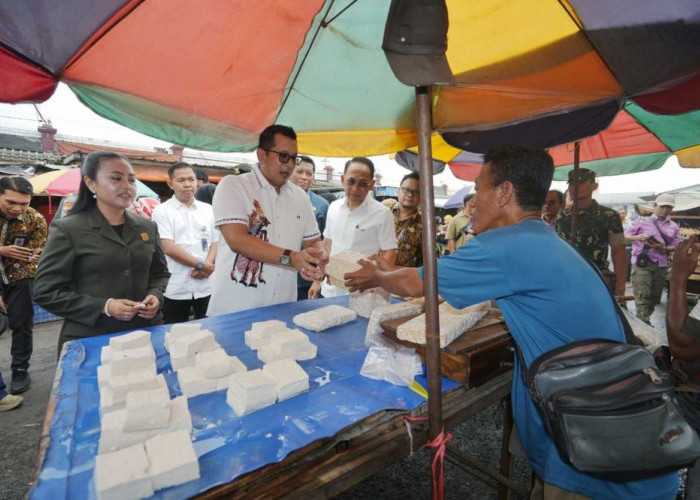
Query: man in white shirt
{"points": [[357, 222], [263, 219], [186, 228]]}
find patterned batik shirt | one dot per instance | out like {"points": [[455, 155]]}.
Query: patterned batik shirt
{"points": [[27, 230], [409, 235], [598, 227]]}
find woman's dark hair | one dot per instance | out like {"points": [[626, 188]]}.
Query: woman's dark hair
{"points": [[89, 168]]}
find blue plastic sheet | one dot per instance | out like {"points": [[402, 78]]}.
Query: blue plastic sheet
{"points": [[227, 446]]}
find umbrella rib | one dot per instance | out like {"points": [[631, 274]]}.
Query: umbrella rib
{"points": [[322, 24]]}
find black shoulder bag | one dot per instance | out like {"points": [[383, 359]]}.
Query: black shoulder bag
{"points": [[611, 412]]}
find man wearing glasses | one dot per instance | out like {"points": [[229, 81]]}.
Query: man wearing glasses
{"points": [[264, 220], [357, 222], [552, 205], [408, 223]]}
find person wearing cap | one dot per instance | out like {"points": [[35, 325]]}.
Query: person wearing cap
{"points": [[598, 227], [202, 177], [654, 237]]}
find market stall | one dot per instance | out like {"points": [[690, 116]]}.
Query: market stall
{"points": [[345, 428]]}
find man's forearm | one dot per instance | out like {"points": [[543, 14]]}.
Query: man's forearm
{"points": [[178, 254], [619, 257], [211, 255], [404, 282]]}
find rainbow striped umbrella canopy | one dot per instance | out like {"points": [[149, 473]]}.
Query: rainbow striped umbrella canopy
{"points": [[212, 74]]}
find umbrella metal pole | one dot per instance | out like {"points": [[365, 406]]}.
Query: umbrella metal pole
{"points": [[574, 193], [432, 325]]}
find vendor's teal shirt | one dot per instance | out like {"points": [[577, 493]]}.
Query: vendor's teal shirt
{"points": [[548, 296]]}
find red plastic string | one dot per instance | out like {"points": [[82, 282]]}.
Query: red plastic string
{"points": [[438, 465]]}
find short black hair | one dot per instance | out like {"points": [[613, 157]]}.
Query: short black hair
{"points": [[528, 169], [560, 195], [466, 198], [365, 161], [177, 166], [267, 136], [307, 159], [412, 175], [201, 175], [16, 183]]}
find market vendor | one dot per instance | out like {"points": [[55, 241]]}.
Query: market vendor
{"points": [[264, 220], [546, 302]]}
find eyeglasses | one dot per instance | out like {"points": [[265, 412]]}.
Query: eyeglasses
{"points": [[412, 192], [285, 157], [361, 184]]}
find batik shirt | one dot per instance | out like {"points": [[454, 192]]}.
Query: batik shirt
{"points": [[598, 227], [409, 237], [27, 230]]}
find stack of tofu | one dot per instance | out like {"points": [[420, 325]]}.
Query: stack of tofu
{"points": [[135, 405], [138, 470], [202, 365], [256, 389], [274, 341], [363, 303]]}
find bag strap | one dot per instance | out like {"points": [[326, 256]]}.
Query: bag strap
{"points": [[663, 235]]}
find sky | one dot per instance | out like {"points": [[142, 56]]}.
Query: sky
{"points": [[71, 118]]}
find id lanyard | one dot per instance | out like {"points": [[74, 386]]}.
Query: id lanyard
{"points": [[205, 242]]}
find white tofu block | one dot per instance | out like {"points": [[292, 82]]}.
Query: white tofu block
{"points": [[291, 378], [215, 364], [223, 382], [123, 474], [179, 358], [363, 303], [324, 317], [193, 382], [271, 324], [106, 355], [453, 323], [267, 354], [293, 340], [172, 459], [149, 409], [135, 381], [104, 373], [342, 263], [141, 358], [255, 339], [133, 340], [180, 417], [192, 343], [251, 391], [113, 436], [392, 311], [307, 352], [180, 330], [107, 403]]}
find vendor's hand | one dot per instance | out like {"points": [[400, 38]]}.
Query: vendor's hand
{"points": [[123, 309], [686, 258], [363, 279], [382, 263], [16, 252], [149, 307], [315, 290]]}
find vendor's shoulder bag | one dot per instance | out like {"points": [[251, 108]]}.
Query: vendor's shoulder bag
{"points": [[611, 412]]}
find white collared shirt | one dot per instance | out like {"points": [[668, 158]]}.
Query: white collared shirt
{"points": [[192, 229], [284, 220], [367, 230]]}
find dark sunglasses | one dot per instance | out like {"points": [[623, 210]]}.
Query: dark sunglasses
{"points": [[285, 157]]}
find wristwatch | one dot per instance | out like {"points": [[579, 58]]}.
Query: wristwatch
{"points": [[200, 265], [285, 258]]}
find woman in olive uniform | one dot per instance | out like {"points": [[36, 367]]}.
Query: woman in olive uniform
{"points": [[103, 268]]}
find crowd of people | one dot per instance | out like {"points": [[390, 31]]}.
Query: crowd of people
{"points": [[266, 238]]}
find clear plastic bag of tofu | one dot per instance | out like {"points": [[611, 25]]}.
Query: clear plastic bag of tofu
{"points": [[389, 361]]}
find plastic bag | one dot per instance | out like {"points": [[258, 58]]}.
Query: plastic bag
{"points": [[649, 335], [388, 361]]}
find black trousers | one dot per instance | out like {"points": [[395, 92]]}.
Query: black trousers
{"points": [[20, 313], [178, 311]]}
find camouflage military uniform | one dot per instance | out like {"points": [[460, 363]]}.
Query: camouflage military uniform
{"points": [[409, 236], [598, 227]]}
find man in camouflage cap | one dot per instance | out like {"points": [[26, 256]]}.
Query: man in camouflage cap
{"points": [[598, 227]]}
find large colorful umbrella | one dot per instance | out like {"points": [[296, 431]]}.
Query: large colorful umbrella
{"points": [[65, 182], [636, 141], [212, 74]]}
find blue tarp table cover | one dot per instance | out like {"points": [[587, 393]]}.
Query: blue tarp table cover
{"points": [[227, 446]]}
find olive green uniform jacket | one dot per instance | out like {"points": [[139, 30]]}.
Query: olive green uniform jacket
{"points": [[85, 262]]}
